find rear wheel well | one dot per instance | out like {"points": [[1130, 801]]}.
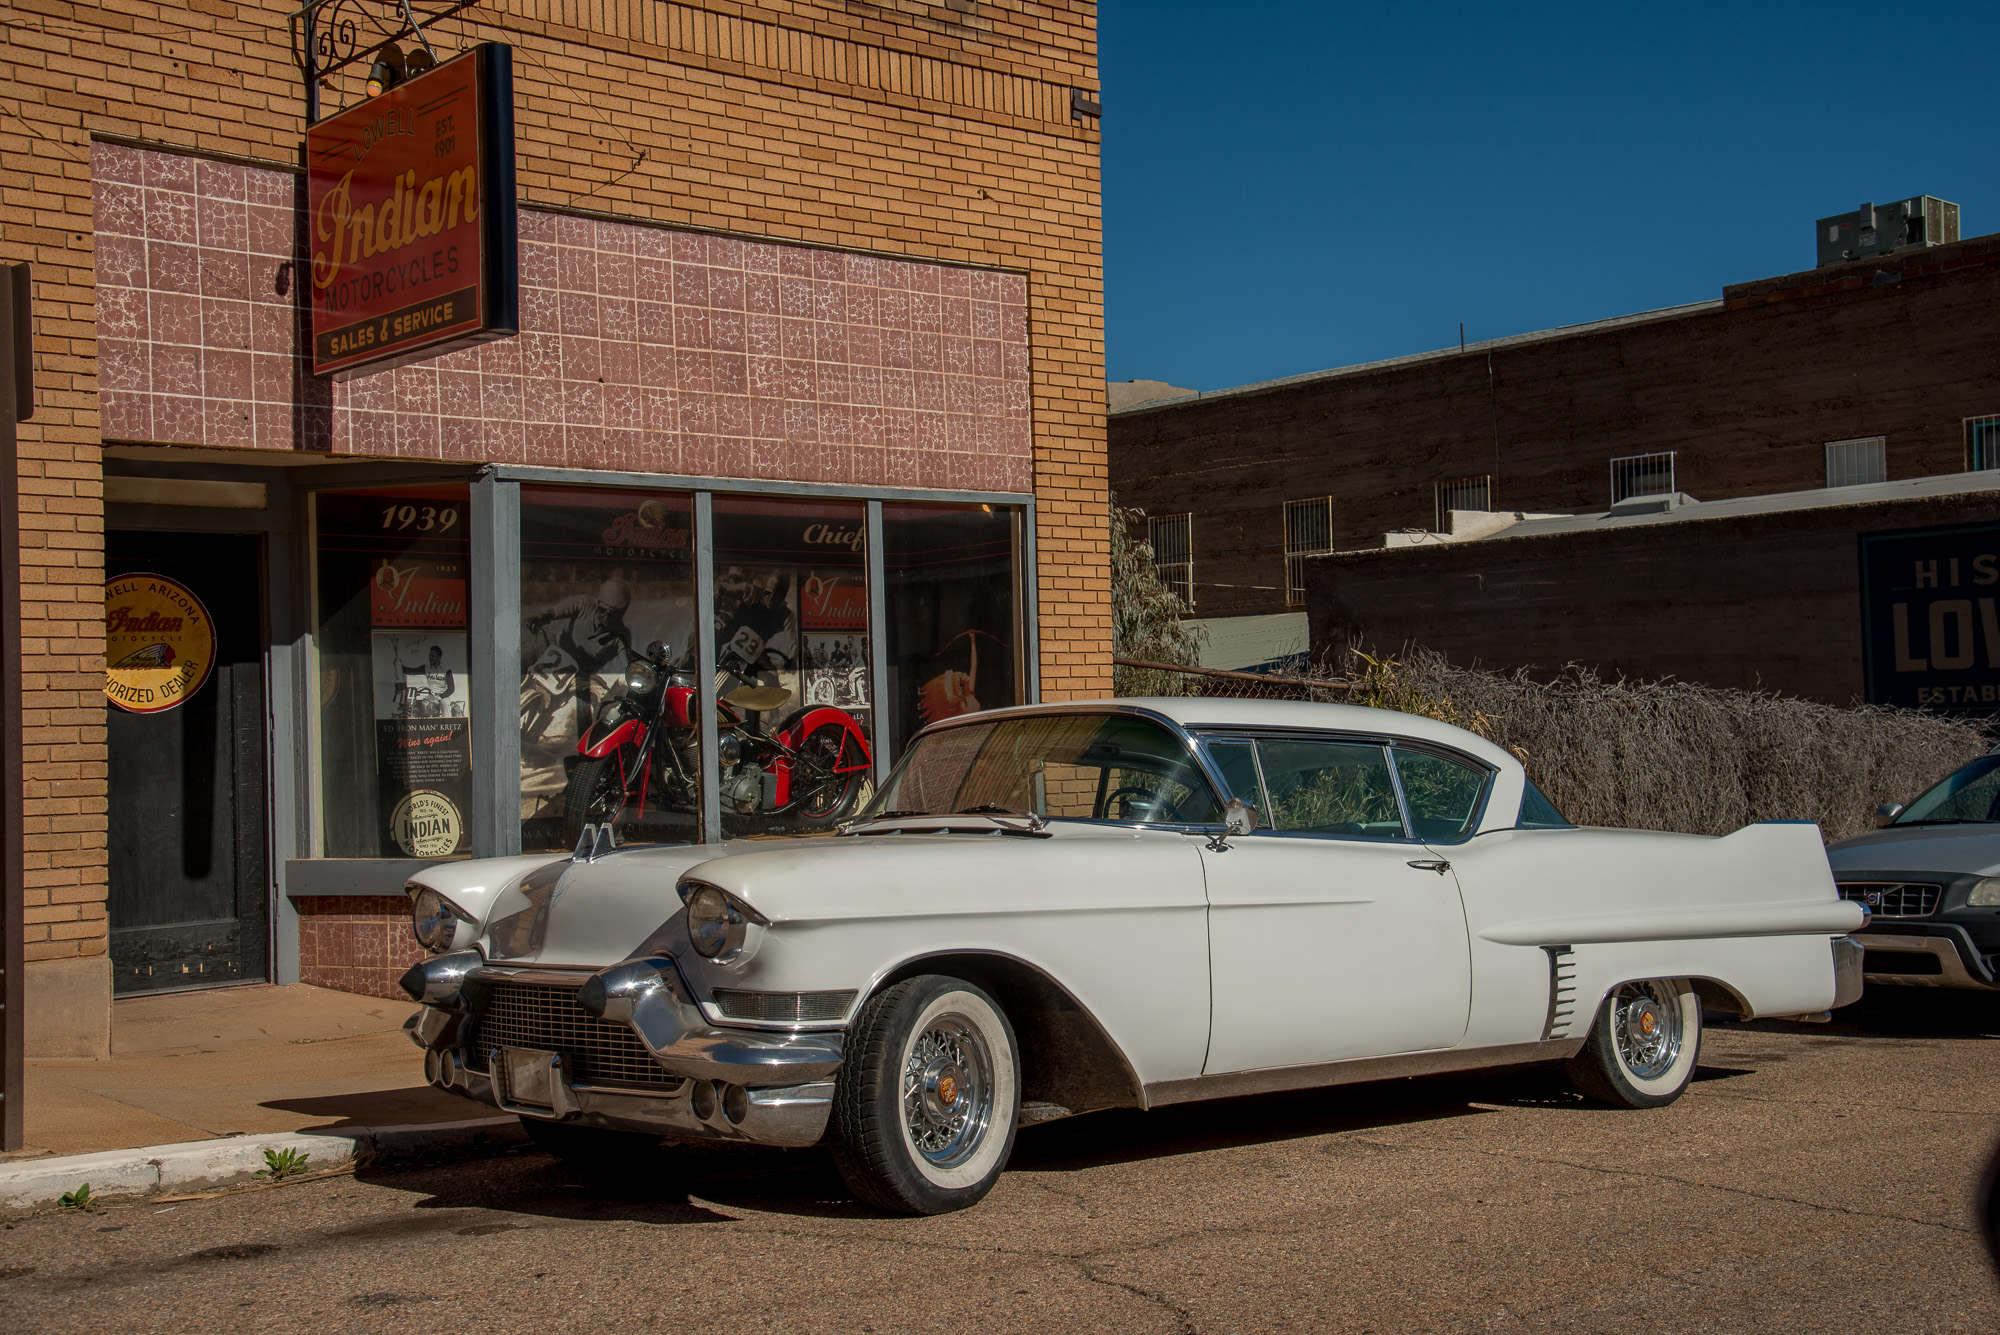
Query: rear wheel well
{"points": [[1719, 996], [1066, 1057]]}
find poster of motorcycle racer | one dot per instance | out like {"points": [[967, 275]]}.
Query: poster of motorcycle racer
{"points": [[603, 575]]}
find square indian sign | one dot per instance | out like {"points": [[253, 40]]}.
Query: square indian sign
{"points": [[412, 223]]}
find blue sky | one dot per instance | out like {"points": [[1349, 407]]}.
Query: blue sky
{"points": [[1292, 186]]}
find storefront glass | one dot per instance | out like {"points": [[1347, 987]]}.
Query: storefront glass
{"points": [[954, 613], [791, 635], [607, 645], [393, 691]]}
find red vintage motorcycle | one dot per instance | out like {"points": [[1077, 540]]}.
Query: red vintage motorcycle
{"points": [[644, 746]]}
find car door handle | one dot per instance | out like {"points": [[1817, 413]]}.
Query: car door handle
{"points": [[1438, 865]]}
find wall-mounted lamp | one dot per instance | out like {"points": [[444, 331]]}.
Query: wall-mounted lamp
{"points": [[387, 71]]}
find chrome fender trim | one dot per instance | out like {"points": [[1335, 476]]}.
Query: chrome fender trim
{"points": [[437, 980]]}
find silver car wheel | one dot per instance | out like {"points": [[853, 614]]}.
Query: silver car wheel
{"points": [[1646, 1023], [948, 1090]]}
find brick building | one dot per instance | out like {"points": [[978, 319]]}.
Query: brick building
{"points": [[1868, 371], [810, 301]]}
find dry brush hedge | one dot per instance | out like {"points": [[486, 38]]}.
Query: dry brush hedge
{"points": [[1674, 755]]}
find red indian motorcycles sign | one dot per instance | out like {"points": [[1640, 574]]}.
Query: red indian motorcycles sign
{"points": [[412, 226]]}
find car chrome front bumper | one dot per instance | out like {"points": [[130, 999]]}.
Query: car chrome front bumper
{"points": [[769, 1087]]}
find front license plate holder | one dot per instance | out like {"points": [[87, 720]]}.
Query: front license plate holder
{"points": [[535, 1082]]}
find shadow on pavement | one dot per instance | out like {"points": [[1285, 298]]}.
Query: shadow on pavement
{"points": [[380, 1107], [1898, 1012]]}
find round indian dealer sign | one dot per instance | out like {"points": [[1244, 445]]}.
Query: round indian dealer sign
{"points": [[159, 643]]}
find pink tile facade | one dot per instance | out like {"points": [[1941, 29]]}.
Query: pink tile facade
{"points": [[641, 348]]}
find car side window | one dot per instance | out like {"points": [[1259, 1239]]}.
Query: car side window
{"points": [[1238, 763], [1442, 794], [1329, 787], [1538, 813]]}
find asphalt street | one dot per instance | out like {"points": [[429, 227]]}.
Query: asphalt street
{"points": [[1815, 1178]]}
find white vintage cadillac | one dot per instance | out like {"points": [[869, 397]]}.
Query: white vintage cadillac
{"points": [[1055, 909]]}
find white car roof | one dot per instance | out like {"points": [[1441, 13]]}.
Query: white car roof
{"points": [[1203, 711]]}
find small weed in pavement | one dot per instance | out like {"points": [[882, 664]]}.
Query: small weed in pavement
{"points": [[281, 1164], [80, 1199]]}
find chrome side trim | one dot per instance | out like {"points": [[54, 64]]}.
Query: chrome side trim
{"points": [[1273, 1079]]}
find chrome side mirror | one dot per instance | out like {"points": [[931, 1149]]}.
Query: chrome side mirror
{"points": [[1887, 812], [1238, 818]]}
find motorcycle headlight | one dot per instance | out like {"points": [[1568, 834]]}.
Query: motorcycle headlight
{"points": [[437, 922], [1985, 893], [640, 675], [729, 748], [717, 924]]}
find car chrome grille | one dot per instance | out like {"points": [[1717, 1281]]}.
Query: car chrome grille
{"points": [[1894, 899], [545, 1017]]}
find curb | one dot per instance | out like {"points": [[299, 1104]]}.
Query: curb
{"points": [[197, 1165]]}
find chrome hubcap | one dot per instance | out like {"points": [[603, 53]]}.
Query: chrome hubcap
{"points": [[1646, 1022], [948, 1091]]}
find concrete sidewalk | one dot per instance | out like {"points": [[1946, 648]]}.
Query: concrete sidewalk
{"points": [[191, 1066]]}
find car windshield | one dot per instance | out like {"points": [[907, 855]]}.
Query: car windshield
{"points": [[1058, 767], [1971, 795]]}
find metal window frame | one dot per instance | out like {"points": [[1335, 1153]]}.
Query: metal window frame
{"points": [[1295, 554], [1441, 489], [1977, 447], [1673, 476], [1183, 581], [1881, 444]]}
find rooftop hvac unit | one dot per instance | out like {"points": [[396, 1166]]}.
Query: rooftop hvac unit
{"points": [[1883, 229]]}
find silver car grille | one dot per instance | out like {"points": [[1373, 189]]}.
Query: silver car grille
{"points": [[545, 1017], [1894, 899]]}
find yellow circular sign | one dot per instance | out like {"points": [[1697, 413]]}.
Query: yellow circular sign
{"points": [[159, 643], [426, 825]]}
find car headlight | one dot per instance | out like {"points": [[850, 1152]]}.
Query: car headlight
{"points": [[1985, 893], [436, 921], [640, 675], [717, 924]]}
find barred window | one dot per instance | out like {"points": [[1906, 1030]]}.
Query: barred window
{"points": [[1308, 532], [1642, 475], [1982, 443], [1854, 463], [1172, 537], [1462, 493]]}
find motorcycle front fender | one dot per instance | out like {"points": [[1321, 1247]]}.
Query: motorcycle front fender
{"points": [[596, 745]]}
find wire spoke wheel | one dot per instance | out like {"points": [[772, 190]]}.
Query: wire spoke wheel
{"points": [[1642, 1047], [827, 772], [947, 1091], [1646, 1024]]}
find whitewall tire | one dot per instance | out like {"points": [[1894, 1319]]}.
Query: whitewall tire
{"points": [[928, 1097], [1643, 1045]]}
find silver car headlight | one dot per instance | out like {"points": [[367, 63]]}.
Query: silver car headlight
{"points": [[640, 676], [718, 924], [1985, 893], [438, 923]]}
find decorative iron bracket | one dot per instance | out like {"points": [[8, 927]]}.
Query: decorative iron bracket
{"points": [[329, 35]]}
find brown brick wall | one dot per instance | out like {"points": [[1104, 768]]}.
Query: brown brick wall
{"points": [[1747, 397], [356, 943], [903, 127]]}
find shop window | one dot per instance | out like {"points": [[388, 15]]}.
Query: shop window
{"points": [[393, 693], [607, 648], [795, 699], [954, 614]]}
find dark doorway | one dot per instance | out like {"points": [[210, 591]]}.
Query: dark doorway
{"points": [[188, 895]]}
